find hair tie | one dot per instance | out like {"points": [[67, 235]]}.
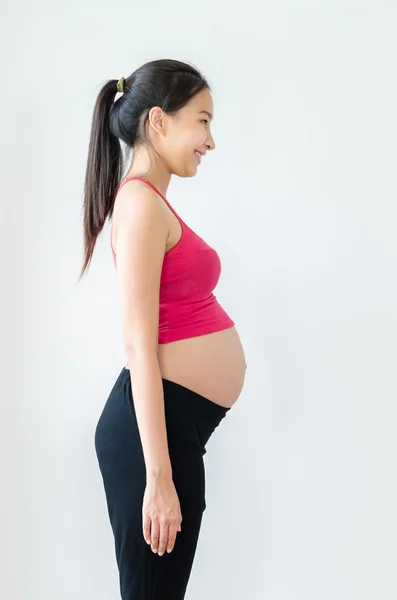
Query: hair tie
{"points": [[120, 85]]}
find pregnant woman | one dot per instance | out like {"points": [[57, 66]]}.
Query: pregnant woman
{"points": [[185, 362]]}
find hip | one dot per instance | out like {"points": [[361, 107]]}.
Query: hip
{"points": [[190, 419]]}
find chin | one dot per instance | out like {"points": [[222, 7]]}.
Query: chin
{"points": [[192, 172]]}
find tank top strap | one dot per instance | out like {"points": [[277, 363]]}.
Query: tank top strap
{"points": [[156, 190]]}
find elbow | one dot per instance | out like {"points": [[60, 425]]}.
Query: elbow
{"points": [[143, 351]]}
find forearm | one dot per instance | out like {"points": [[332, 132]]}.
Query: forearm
{"points": [[148, 395]]}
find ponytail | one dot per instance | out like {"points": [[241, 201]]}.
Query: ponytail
{"points": [[103, 171]]}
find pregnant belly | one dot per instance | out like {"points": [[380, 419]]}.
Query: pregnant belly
{"points": [[212, 365]]}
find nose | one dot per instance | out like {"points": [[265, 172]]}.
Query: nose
{"points": [[210, 143]]}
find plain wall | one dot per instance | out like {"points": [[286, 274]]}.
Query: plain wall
{"points": [[299, 200]]}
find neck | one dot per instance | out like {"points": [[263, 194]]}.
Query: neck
{"points": [[150, 168]]}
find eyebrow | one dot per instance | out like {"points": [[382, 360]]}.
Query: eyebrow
{"points": [[207, 113]]}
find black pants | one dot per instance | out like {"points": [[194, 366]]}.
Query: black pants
{"points": [[190, 421]]}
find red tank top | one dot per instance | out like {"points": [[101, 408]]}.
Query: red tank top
{"points": [[190, 272]]}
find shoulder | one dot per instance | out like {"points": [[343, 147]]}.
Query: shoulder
{"points": [[137, 195], [137, 206]]}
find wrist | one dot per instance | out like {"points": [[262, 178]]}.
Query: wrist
{"points": [[155, 472]]}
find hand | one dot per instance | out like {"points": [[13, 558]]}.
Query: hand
{"points": [[161, 514]]}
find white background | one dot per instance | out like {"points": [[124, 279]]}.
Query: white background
{"points": [[299, 199]]}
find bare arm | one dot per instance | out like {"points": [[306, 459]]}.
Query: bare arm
{"points": [[140, 245], [147, 389]]}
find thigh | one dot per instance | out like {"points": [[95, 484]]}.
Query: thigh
{"points": [[145, 575], [188, 474]]}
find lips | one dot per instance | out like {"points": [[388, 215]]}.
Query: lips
{"points": [[198, 156]]}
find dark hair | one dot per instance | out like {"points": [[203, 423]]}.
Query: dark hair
{"points": [[169, 84]]}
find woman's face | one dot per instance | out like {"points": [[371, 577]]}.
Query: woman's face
{"points": [[186, 137]]}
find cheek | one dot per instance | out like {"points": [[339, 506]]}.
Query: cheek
{"points": [[202, 135], [186, 141], [197, 140]]}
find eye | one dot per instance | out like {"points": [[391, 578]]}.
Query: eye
{"points": [[204, 121]]}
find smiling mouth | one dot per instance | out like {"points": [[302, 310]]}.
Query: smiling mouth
{"points": [[198, 156]]}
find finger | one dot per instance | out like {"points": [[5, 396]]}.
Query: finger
{"points": [[164, 528], [146, 528], [172, 531], [155, 533]]}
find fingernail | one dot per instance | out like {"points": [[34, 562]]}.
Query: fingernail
{"points": [[161, 553]]}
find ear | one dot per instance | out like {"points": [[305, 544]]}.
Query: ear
{"points": [[157, 120]]}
